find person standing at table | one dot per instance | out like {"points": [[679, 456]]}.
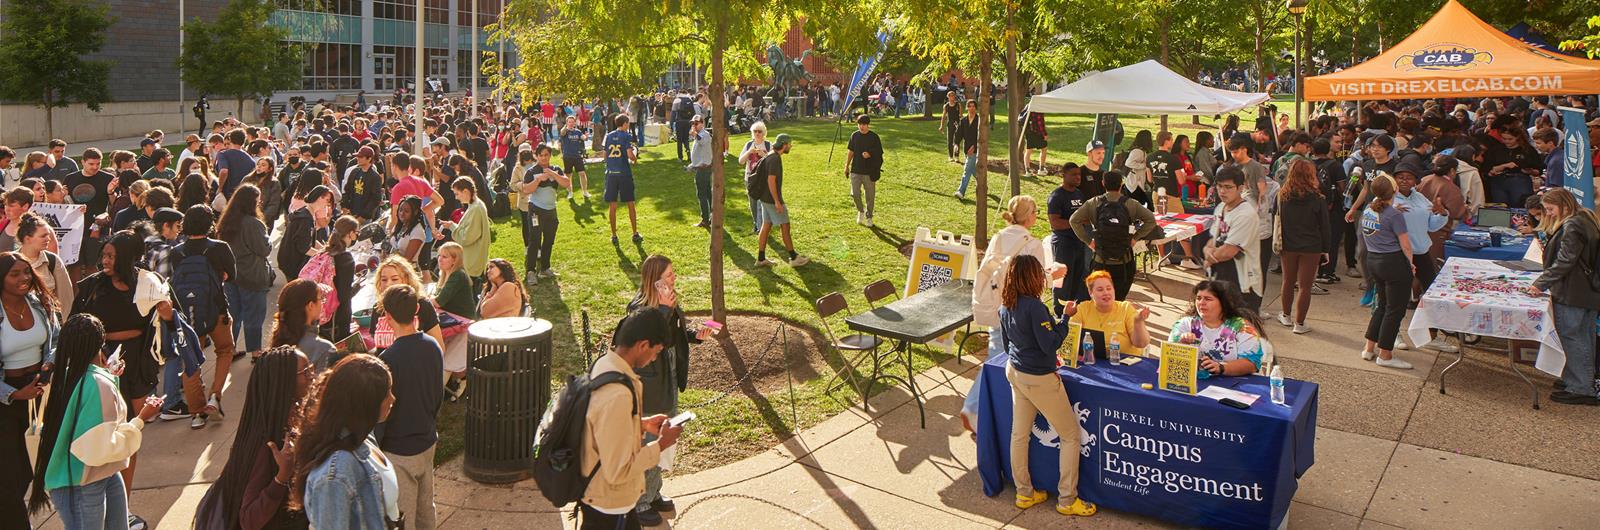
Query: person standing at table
{"points": [[1391, 269], [1228, 334], [1422, 216], [1440, 187], [1066, 248], [1011, 242], [1574, 300], [1031, 336], [1231, 252], [1110, 223], [1111, 317]]}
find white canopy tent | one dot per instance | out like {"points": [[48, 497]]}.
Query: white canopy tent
{"points": [[1143, 88]]}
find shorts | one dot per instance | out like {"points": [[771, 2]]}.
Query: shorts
{"points": [[140, 373], [771, 215], [571, 165], [1035, 141], [619, 187]]}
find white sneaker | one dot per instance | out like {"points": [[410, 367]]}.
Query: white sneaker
{"points": [[1283, 318], [799, 261], [1367, 355], [1441, 345], [1400, 344], [869, 222], [1301, 329], [1189, 264], [1395, 363], [860, 217]]}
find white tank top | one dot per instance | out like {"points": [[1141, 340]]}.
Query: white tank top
{"points": [[19, 349], [391, 483]]}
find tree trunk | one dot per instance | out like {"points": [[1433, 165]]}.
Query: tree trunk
{"points": [[985, 77], [719, 145], [49, 115], [1014, 88], [1260, 35], [238, 111], [1166, 20]]}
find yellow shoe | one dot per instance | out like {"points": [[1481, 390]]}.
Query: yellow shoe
{"points": [[1078, 508], [1028, 502]]}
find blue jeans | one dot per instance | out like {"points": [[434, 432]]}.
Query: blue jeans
{"points": [[98, 505], [755, 216], [172, 383], [970, 404], [249, 311], [966, 174], [1575, 326]]}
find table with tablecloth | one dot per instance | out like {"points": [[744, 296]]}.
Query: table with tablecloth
{"points": [[1186, 459], [1468, 242], [1180, 226], [1483, 298]]}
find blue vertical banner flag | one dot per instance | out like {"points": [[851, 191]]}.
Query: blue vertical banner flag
{"points": [[863, 72], [1575, 165]]}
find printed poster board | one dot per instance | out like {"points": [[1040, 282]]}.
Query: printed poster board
{"points": [[1178, 365], [937, 259], [67, 219], [1068, 352]]}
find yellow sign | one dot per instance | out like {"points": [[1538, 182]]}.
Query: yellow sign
{"points": [[1178, 365], [1068, 352]]}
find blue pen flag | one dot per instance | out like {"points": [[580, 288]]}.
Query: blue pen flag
{"points": [[1575, 164], [863, 71]]}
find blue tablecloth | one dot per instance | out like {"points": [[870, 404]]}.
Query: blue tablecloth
{"points": [[1473, 243], [1185, 459]]}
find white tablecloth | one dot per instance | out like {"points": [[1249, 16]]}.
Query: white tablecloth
{"points": [[1511, 314]]}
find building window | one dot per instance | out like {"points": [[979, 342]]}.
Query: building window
{"points": [[465, 65], [331, 67], [398, 67], [435, 11], [394, 9], [488, 12], [337, 7]]}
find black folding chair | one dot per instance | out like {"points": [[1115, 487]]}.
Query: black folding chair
{"points": [[833, 304]]}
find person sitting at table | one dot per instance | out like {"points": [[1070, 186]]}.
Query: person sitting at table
{"points": [[1106, 317], [1574, 301], [1032, 335], [1228, 334]]}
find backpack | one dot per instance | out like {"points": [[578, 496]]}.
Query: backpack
{"points": [[991, 280], [558, 443], [197, 285], [755, 181], [1112, 223], [320, 269]]}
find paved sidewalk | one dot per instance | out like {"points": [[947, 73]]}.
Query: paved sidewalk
{"points": [[74, 149]]}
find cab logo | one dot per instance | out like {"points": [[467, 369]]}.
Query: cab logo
{"points": [[1443, 56]]}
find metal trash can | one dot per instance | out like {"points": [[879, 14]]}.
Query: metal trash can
{"points": [[508, 385]]}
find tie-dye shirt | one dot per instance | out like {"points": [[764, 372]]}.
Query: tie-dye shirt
{"points": [[1234, 339]]}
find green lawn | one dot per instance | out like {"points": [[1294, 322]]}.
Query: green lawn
{"points": [[916, 189]]}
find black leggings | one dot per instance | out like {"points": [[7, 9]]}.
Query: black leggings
{"points": [[950, 143], [1340, 234], [14, 455], [1391, 275], [540, 238]]}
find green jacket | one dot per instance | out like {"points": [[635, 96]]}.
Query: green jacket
{"points": [[472, 233]]}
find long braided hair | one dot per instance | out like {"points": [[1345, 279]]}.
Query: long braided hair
{"points": [[82, 336], [269, 415]]}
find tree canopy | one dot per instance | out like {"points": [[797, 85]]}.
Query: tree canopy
{"points": [[239, 55], [44, 48]]}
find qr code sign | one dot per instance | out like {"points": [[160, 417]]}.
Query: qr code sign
{"points": [[933, 276]]}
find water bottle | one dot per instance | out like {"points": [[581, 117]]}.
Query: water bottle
{"points": [[1277, 384], [1114, 349], [1088, 349]]}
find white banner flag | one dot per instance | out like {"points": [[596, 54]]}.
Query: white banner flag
{"points": [[68, 221]]}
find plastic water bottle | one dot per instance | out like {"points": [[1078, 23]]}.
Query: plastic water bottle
{"points": [[1088, 349], [1277, 384], [1114, 349]]}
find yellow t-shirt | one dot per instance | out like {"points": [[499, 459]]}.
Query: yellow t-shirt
{"points": [[1118, 321]]}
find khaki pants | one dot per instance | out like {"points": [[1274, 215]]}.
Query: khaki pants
{"points": [[416, 487], [194, 388], [1042, 394]]}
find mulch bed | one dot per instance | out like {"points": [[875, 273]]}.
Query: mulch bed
{"points": [[748, 355]]}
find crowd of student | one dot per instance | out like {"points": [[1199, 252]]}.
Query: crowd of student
{"points": [[1396, 176], [177, 264]]}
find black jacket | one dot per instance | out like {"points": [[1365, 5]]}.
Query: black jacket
{"points": [[668, 375], [299, 235], [1305, 224], [1568, 263]]}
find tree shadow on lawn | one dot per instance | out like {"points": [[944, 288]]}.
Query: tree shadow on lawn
{"points": [[817, 277]]}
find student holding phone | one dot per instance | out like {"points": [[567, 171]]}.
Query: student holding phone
{"points": [[668, 374]]}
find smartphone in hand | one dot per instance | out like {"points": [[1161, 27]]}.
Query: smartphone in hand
{"points": [[681, 419]]}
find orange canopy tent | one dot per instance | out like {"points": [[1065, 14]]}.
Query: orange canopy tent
{"points": [[1456, 54]]}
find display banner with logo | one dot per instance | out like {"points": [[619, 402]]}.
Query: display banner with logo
{"points": [[1577, 172], [67, 220], [1185, 459], [1105, 130]]}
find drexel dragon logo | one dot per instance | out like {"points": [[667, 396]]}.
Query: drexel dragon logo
{"points": [[1443, 56]]}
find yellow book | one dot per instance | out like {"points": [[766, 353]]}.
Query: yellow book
{"points": [[1178, 365], [1068, 352]]}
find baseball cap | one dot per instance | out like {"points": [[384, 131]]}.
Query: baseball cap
{"points": [[781, 140], [147, 141], [1094, 144], [366, 152], [166, 215]]}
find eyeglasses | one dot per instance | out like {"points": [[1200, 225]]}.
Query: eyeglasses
{"points": [[307, 370]]}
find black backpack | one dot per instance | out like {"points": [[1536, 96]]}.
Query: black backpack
{"points": [[755, 180], [196, 285], [1113, 237], [558, 444]]}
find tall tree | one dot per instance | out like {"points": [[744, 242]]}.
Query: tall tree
{"points": [[616, 48], [43, 50], [240, 54]]}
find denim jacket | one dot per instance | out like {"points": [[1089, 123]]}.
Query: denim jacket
{"points": [[51, 330], [345, 491]]}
